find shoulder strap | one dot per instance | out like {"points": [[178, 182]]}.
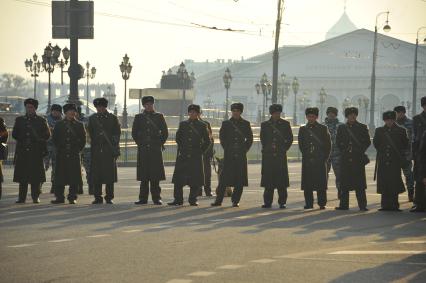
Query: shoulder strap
{"points": [[392, 144], [315, 137], [351, 134], [238, 130], [278, 131], [151, 122], [108, 141]]}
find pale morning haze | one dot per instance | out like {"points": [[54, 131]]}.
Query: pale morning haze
{"points": [[159, 34]]}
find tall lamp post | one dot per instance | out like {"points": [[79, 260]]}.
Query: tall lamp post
{"points": [[33, 66], [386, 28], [90, 74], [322, 97], [295, 86], [182, 75], [62, 63], [227, 79], [366, 105], [414, 102], [126, 69], [49, 61]]}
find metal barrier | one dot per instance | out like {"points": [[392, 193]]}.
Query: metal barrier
{"points": [[129, 149]]}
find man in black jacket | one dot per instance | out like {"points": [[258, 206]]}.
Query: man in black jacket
{"points": [[150, 132], [419, 128], [276, 138], [31, 133], [391, 142], [353, 141], [69, 138], [192, 138], [236, 138], [315, 145]]}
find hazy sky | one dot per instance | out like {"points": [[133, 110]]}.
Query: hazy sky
{"points": [[25, 28]]}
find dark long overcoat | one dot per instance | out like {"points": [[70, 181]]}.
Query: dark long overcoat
{"points": [[150, 132], [276, 138], [69, 138], [31, 134], [192, 139], [388, 159], [103, 127], [352, 159], [315, 145], [236, 138]]}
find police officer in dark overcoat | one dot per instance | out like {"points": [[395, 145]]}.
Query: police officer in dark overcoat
{"points": [[149, 131], [192, 140], [391, 142], [419, 128], [353, 141], [276, 138], [31, 133], [315, 145], [236, 138], [104, 131], [69, 138]]}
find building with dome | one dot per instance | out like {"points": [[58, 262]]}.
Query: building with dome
{"points": [[341, 65]]}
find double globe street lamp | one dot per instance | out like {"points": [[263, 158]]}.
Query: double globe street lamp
{"points": [[90, 74], [126, 69], [33, 66], [264, 87], [295, 87], [186, 81]]}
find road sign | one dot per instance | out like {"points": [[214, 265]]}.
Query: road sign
{"points": [[61, 15]]}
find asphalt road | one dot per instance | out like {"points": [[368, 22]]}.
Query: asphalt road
{"points": [[128, 243]]}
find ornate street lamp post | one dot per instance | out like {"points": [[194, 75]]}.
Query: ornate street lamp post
{"points": [[295, 86], [264, 87], [227, 79], [49, 61], [90, 74], [414, 102], [386, 28], [126, 69], [182, 75], [33, 66]]}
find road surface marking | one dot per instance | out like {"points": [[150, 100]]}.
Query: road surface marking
{"points": [[230, 266], [193, 223], [201, 273], [21, 246], [377, 252], [265, 213], [61, 241], [161, 227], [413, 242], [217, 220], [179, 281], [98, 236], [132, 231], [263, 260], [244, 217]]}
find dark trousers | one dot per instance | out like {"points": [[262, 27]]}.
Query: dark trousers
{"points": [[35, 191], [236, 194], [268, 195], [178, 193], [361, 197], [60, 192], [321, 196], [153, 186], [420, 195], [389, 200], [109, 191]]}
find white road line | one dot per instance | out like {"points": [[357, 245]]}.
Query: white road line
{"points": [[413, 242], [230, 267], [179, 281], [201, 273], [244, 217], [264, 213], [263, 260], [61, 241], [21, 246], [160, 227], [193, 223], [377, 252], [98, 236], [132, 231], [217, 220]]}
